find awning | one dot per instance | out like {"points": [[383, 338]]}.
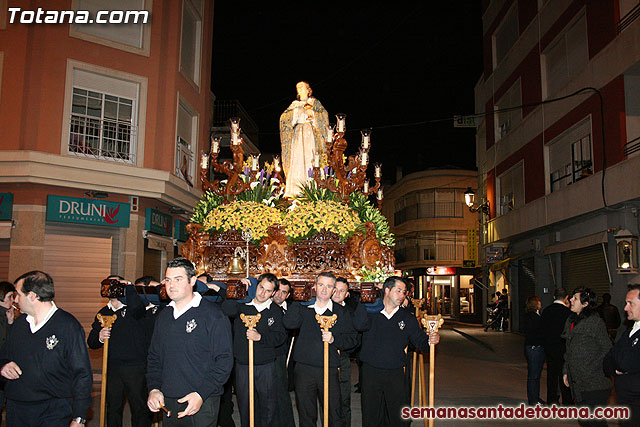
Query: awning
{"points": [[582, 242], [501, 265]]}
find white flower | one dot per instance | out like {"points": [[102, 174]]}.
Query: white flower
{"points": [[254, 184]]}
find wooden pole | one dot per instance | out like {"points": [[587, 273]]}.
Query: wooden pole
{"points": [[105, 322], [432, 324], [326, 323], [413, 377], [417, 303], [250, 322]]}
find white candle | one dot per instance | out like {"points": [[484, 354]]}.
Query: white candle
{"points": [[364, 158], [341, 122], [234, 138], [380, 194], [254, 163], [365, 187], [215, 146], [204, 163], [366, 138], [235, 123], [378, 171], [276, 163], [329, 133], [316, 160]]}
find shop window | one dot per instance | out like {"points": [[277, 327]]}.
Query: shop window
{"points": [[506, 35], [466, 295], [191, 40], [508, 120], [565, 57], [570, 156], [132, 36], [511, 189], [186, 142]]}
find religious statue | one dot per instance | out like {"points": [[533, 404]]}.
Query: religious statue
{"points": [[303, 129]]}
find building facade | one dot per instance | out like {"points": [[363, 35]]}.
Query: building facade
{"points": [[435, 234], [102, 130], [557, 147]]}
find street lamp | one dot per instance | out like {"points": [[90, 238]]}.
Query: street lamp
{"points": [[626, 252], [469, 199]]}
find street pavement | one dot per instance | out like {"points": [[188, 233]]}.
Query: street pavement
{"points": [[473, 368]]}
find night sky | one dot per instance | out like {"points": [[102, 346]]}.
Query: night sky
{"points": [[385, 65]]}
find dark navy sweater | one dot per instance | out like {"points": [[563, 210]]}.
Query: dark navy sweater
{"points": [[272, 333], [54, 362], [190, 353], [384, 341], [624, 357], [309, 347]]}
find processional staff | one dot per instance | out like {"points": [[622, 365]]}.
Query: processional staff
{"points": [[105, 322], [326, 323], [432, 323], [250, 322]]}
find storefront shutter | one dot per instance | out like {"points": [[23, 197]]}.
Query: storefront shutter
{"points": [[586, 267]]}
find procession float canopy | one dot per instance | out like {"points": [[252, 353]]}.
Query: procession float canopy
{"points": [[253, 222]]}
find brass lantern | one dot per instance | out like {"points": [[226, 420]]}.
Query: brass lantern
{"points": [[626, 252]]}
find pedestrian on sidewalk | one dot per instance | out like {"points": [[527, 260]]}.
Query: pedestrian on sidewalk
{"points": [[610, 315], [554, 317], [533, 348], [587, 344]]}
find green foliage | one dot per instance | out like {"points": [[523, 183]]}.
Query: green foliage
{"points": [[209, 202], [368, 213], [259, 193], [311, 193]]}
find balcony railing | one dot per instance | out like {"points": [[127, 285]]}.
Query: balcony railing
{"points": [[429, 210], [632, 147], [102, 139]]}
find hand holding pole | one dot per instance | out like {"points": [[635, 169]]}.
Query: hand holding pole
{"points": [[105, 322], [326, 323], [250, 322], [432, 323]]}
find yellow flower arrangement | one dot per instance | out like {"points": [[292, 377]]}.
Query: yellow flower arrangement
{"points": [[307, 218], [243, 215]]}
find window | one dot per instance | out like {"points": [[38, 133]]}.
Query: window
{"points": [[570, 157], [186, 141], [506, 35], [432, 246], [132, 37], [438, 203], [511, 189], [191, 41], [565, 57], [101, 125], [508, 120]]}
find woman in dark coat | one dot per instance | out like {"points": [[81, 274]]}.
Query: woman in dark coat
{"points": [[533, 349], [587, 343]]}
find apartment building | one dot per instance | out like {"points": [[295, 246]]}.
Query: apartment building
{"points": [[436, 239], [557, 150], [102, 127]]}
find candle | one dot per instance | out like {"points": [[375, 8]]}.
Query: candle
{"points": [[341, 122], [366, 138], [380, 194], [234, 138], [364, 158], [329, 133], [254, 163], [204, 163], [365, 187], [322, 173], [276, 163], [316, 160], [215, 145], [378, 170], [235, 124]]}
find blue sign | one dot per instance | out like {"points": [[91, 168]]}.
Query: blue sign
{"points": [[87, 211], [158, 222], [6, 206]]}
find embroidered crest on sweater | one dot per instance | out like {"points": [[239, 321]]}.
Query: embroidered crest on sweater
{"points": [[270, 321], [51, 342], [123, 312], [401, 324], [633, 344], [191, 325]]}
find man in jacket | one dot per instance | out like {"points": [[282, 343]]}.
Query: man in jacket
{"points": [[554, 317]]}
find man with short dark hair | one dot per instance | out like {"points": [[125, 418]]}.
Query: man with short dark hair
{"points": [[285, 409], [554, 317], [623, 360], [611, 316], [127, 358], [308, 351], [190, 357], [7, 294], [266, 335], [386, 335], [45, 351]]}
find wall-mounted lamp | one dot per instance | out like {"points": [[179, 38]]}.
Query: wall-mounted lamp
{"points": [[469, 199], [626, 252]]}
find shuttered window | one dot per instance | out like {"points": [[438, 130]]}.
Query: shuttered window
{"points": [[586, 267]]}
